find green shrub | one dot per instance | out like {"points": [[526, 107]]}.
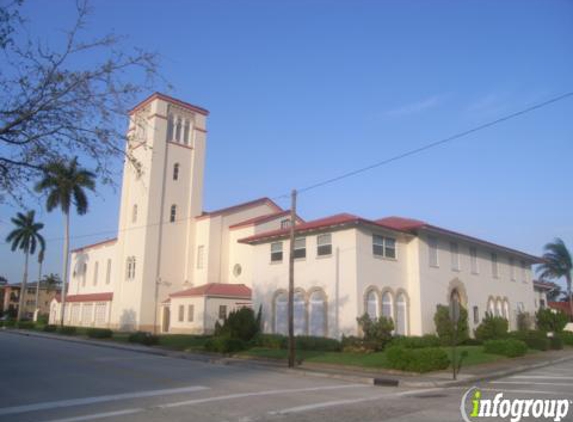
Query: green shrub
{"points": [[322, 344], [269, 341], [68, 330], [10, 323], [445, 327], [25, 325], [536, 340], [377, 332], [556, 342], [143, 337], [224, 345], [43, 319], [99, 333], [567, 337], [492, 328], [471, 342], [417, 360], [551, 320], [524, 321], [240, 324], [507, 347], [49, 328], [416, 342]]}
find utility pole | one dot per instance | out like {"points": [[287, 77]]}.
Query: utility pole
{"points": [[291, 345]]}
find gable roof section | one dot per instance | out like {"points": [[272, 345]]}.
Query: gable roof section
{"points": [[240, 207], [337, 220], [164, 97], [239, 291], [264, 219], [94, 245], [560, 306], [90, 297], [414, 226]]}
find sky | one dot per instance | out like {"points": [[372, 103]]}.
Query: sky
{"points": [[303, 91]]}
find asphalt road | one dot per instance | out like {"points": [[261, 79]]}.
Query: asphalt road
{"points": [[45, 380]]}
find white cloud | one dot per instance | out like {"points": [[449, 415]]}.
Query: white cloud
{"points": [[416, 107]]}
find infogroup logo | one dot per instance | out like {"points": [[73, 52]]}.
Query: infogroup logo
{"points": [[512, 409]]}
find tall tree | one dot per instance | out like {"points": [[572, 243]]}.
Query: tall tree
{"points": [[40, 263], [64, 98], [65, 184], [25, 236], [557, 263]]}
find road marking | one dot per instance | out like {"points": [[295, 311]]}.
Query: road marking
{"points": [[322, 405], [532, 383], [259, 393], [96, 399], [99, 415], [550, 393], [539, 377]]}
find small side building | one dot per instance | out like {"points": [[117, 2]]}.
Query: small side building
{"points": [[198, 309]]}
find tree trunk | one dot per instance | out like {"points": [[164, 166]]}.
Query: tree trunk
{"points": [[23, 288], [65, 270], [38, 288], [568, 278]]}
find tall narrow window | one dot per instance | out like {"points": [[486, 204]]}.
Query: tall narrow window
{"points": [[96, 270], [512, 269], [222, 311], [300, 247], [130, 268], [476, 315], [186, 132], [84, 274], [181, 313], [474, 260], [523, 266], [494, 265], [173, 214], [170, 124], [299, 314], [190, 313], [433, 251], [281, 314], [387, 306], [401, 315], [108, 272], [372, 307], [178, 130], [200, 256], [285, 224], [455, 256], [276, 251], [317, 314], [176, 171], [134, 213], [324, 244]]}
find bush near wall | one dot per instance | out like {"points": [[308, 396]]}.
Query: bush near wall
{"points": [[417, 360], [550, 320], [567, 337], [49, 328], [99, 333], [224, 345], [377, 331], [536, 340], [269, 341], [25, 325], [322, 344], [416, 342], [445, 327], [507, 347], [556, 342], [67, 330], [143, 337], [492, 328], [10, 323]]}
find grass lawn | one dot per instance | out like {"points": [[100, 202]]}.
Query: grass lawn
{"points": [[182, 342], [475, 356]]}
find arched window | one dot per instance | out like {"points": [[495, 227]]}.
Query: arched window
{"points": [[281, 314], [372, 308], [506, 309], [401, 315], [317, 314], [186, 132], [173, 213], [178, 130], [299, 314], [498, 308], [387, 310], [176, 171], [491, 307], [96, 270], [170, 125], [134, 213], [130, 268]]}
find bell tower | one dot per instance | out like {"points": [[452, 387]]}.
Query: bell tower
{"points": [[162, 193]]}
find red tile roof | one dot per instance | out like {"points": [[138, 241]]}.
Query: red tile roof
{"points": [[263, 219], [93, 245], [413, 226], [158, 95], [234, 208], [544, 285], [560, 306], [90, 297], [217, 290], [320, 224]]}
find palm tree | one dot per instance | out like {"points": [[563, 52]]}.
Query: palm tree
{"points": [[26, 236], [557, 263], [40, 262], [65, 184]]}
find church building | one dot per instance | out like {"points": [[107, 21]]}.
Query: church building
{"points": [[175, 268]]}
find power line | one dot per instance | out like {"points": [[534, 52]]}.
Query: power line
{"points": [[362, 169], [431, 145]]}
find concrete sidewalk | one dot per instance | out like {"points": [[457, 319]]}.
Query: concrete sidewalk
{"points": [[469, 375]]}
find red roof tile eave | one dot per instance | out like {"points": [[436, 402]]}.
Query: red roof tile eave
{"points": [[249, 204], [263, 219], [429, 227]]}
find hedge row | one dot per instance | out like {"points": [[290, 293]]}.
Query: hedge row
{"points": [[507, 347], [417, 360]]}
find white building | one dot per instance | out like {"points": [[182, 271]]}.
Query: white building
{"points": [[175, 268]]}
